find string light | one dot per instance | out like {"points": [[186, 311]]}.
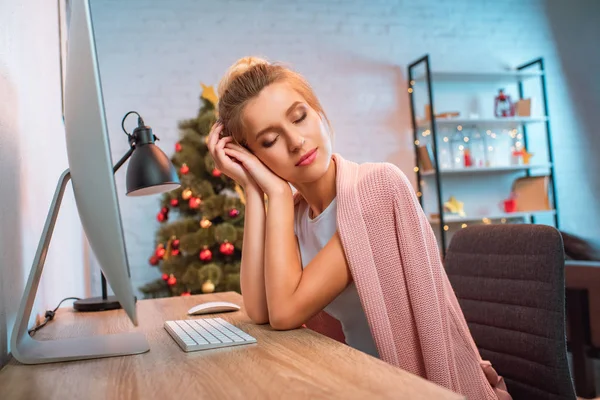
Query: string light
{"points": [[410, 90], [493, 135], [486, 221], [417, 142], [503, 220], [459, 128], [412, 82], [463, 226], [466, 139], [446, 139], [416, 169], [461, 147], [446, 227], [419, 194]]}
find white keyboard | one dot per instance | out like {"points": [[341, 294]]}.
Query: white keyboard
{"points": [[206, 333]]}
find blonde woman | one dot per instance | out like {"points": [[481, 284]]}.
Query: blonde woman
{"points": [[352, 243]]}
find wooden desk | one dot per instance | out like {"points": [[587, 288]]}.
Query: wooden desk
{"points": [[281, 365]]}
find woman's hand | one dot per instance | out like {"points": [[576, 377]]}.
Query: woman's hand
{"points": [[223, 162], [269, 182]]}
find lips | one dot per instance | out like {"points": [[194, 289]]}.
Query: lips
{"points": [[307, 155]]}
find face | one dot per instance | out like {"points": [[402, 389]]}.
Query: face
{"points": [[282, 128]]}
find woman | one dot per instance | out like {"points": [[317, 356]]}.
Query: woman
{"points": [[353, 240]]}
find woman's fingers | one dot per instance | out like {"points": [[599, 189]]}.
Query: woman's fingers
{"points": [[243, 158], [218, 149], [213, 136], [237, 147]]}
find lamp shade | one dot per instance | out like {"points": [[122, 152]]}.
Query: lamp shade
{"points": [[150, 171]]}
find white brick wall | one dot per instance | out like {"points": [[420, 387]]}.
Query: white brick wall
{"points": [[154, 54]]}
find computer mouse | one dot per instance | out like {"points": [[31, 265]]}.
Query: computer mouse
{"points": [[213, 307]]}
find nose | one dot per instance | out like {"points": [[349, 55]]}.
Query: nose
{"points": [[298, 143]]}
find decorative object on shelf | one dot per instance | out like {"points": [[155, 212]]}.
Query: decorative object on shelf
{"points": [[444, 115], [521, 156], [453, 206], [448, 115], [531, 193], [477, 148], [509, 205], [468, 161], [425, 158], [523, 108], [503, 106]]}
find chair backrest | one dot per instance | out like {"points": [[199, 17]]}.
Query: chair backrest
{"points": [[509, 281]]}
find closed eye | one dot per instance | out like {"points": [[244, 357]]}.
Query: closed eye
{"points": [[300, 119], [271, 143]]}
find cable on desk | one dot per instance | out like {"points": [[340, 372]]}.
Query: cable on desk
{"points": [[49, 316]]}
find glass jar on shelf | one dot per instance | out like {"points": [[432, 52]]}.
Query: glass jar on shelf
{"points": [[460, 152], [444, 149], [477, 148]]}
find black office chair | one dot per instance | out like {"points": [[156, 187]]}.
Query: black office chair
{"points": [[509, 281]]}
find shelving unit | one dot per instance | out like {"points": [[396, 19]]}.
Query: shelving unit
{"points": [[508, 122], [446, 179]]}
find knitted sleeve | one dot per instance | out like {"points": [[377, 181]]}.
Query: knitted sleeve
{"points": [[422, 268], [449, 355]]}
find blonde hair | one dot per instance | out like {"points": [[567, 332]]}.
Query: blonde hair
{"points": [[244, 80]]}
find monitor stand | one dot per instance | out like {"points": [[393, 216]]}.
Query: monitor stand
{"points": [[28, 350]]}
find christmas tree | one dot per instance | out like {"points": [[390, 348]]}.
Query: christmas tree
{"points": [[198, 245]]}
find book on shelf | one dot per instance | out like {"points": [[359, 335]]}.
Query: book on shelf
{"points": [[426, 159]]}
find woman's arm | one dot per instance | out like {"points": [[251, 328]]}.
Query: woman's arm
{"points": [[252, 277], [295, 295]]}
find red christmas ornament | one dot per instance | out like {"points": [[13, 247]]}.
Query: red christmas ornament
{"points": [[184, 169], [161, 217], [216, 173], [175, 243], [172, 280], [234, 212], [226, 248], [186, 294], [178, 147], [154, 260], [206, 255], [164, 210], [160, 251], [165, 277], [195, 202], [175, 252], [174, 203]]}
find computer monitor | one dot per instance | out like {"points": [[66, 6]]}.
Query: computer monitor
{"points": [[91, 171]]}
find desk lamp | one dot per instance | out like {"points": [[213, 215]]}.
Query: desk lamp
{"points": [[149, 172]]}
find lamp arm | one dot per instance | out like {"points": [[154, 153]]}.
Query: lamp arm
{"points": [[115, 168], [122, 160]]}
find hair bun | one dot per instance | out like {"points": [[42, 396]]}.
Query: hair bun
{"points": [[238, 68]]}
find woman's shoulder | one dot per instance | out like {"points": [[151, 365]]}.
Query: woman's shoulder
{"points": [[383, 175]]}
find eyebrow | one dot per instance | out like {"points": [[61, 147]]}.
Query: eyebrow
{"points": [[271, 128]]}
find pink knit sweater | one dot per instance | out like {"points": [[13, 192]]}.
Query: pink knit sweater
{"points": [[415, 318]]}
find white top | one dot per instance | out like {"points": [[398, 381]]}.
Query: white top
{"points": [[313, 235]]}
